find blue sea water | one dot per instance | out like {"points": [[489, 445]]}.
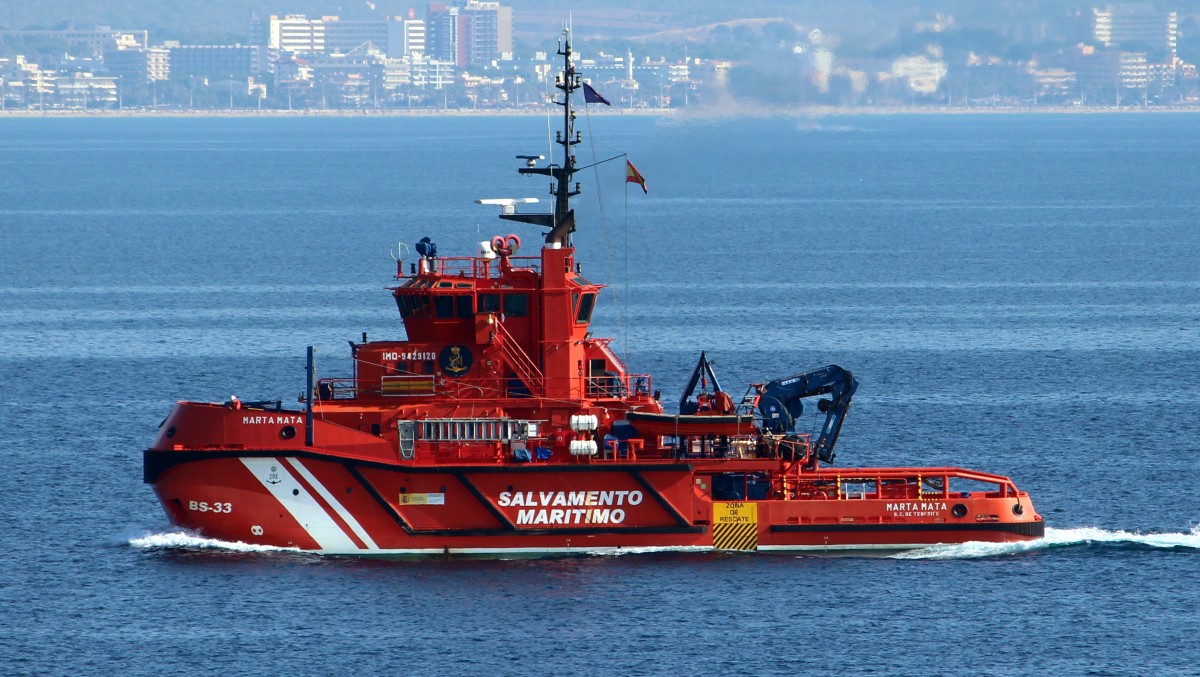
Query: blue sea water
{"points": [[1016, 294]]}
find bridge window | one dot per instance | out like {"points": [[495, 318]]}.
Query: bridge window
{"points": [[516, 305], [465, 306], [414, 306], [585, 308], [489, 303], [444, 306]]}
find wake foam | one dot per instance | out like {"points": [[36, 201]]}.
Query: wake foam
{"points": [[1054, 539], [181, 540], [1060, 538]]}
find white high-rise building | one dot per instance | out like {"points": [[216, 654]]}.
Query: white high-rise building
{"points": [[1136, 25], [414, 37], [296, 33], [394, 36]]}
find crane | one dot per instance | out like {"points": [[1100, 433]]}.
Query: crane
{"points": [[779, 403]]}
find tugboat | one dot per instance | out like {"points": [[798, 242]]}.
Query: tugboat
{"points": [[502, 428]]}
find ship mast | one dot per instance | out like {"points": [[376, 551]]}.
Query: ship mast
{"points": [[562, 222]]}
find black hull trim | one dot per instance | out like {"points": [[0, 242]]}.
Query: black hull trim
{"points": [[1031, 529], [636, 531]]}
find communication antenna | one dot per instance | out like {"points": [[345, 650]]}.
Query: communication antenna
{"points": [[398, 255]]}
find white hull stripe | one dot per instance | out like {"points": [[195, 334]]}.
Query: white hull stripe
{"points": [[333, 502], [294, 498]]}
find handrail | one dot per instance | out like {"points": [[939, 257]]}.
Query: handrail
{"points": [[471, 267], [521, 363], [618, 385]]}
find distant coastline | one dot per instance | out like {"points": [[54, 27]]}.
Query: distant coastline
{"points": [[681, 113], [275, 113]]}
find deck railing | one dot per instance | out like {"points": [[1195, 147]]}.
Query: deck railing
{"points": [[423, 385], [464, 266]]}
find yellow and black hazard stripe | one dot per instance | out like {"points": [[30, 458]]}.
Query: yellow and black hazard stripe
{"points": [[741, 536]]}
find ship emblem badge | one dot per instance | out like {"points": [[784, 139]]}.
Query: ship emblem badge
{"points": [[455, 360]]}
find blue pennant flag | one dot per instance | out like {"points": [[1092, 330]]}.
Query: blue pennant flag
{"points": [[592, 96]]}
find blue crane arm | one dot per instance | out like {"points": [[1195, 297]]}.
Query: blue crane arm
{"points": [[780, 404]]}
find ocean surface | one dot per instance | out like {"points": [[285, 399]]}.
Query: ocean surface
{"points": [[1016, 294]]}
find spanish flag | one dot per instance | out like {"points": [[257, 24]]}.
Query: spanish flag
{"points": [[632, 175]]}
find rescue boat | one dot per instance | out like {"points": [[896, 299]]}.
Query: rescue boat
{"points": [[501, 427]]}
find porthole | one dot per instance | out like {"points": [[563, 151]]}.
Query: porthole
{"points": [[287, 432], [959, 510], [1018, 509], [171, 432]]}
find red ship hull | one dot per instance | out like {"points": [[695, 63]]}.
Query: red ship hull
{"points": [[315, 500]]}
